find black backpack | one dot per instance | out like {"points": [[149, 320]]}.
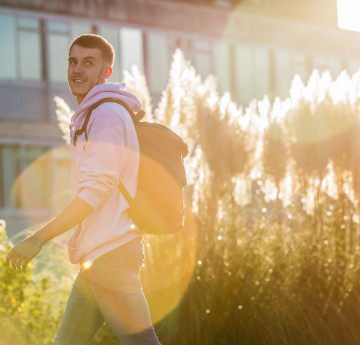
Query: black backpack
{"points": [[158, 206]]}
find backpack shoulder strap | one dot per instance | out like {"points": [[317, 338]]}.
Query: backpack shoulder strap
{"points": [[86, 121], [125, 193], [136, 118]]}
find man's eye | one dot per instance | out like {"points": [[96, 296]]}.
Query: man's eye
{"points": [[89, 63]]}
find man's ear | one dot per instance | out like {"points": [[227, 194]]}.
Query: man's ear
{"points": [[108, 72]]}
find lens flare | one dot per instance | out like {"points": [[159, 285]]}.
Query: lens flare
{"points": [[43, 188], [170, 259], [86, 265]]}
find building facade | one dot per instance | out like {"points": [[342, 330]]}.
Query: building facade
{"points": [[253, 47]]}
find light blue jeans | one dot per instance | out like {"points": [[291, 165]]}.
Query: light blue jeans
{"points": [[110, 290]]}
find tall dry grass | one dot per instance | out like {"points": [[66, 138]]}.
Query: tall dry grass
{"points": [[275, 194]]}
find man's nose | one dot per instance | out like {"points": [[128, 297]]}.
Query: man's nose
{"points": [[78, 68]]}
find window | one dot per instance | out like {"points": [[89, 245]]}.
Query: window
{"points": [[251, 72], [199, 52], [10, 164], [128, 47], [60, 177], [261, 71], [58, 45], [330, 63], [286, 65], [158, 61], [34, 179], [60, 35], [202, 57], [182, 43], [243, 73], [131, 49], [80, 29], [222, 66], [160, 50], [20, 48], [25, 177], [29, 48], [111, 33], [7, 47]]}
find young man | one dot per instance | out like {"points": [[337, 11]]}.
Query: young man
{"points": [[108, 247]]}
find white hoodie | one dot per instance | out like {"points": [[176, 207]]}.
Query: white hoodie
{"points": [[110, 153]]}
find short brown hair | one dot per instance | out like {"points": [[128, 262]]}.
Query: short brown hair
{"points": [[95, 41]]}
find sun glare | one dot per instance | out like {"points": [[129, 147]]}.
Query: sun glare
{"points": [[348, 14], [86, 265]]}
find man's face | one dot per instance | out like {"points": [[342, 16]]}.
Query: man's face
{"points": [[86, 69]]}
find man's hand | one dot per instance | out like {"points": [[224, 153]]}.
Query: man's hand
{"points": [[22, 253], [26, 250]]}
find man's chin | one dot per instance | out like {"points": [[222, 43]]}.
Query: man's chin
{"points": [[78, 93]]}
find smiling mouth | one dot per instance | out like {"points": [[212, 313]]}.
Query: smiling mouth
{"points": [[77, 80]]}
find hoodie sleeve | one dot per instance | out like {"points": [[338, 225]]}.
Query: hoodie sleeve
{"points": [[103, 158]]}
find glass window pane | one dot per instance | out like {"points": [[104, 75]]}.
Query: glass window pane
{"points": [[111, 33], [58, 56], [131, 49], [201, 45], [222, 66], [30, 155], [282, 73], [158, 60], [30, 55], [319, 63], [35, 178], [300, 66], [332, 64], [11, 169], [60, 178], [28, 23], [286, 65], [261, 72], [58, 27], [80, 29], [7, 47], [243, 73], [203, 64]]}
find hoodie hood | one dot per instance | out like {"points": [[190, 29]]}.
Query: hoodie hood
{"points": [[99, 92]]}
